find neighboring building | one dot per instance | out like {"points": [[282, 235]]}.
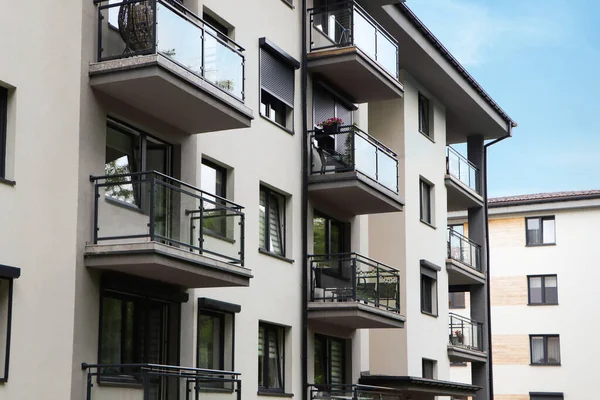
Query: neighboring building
{"points": [[543, 253], [174, 213]]}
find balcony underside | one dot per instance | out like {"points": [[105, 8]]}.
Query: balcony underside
{"points": [[352, 193], [460, 274], [166, 264], [460, 196], [353, 315], [416, 388], [161, 88], [355, 74], [462, 354]]}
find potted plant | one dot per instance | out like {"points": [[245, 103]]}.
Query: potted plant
{"points": [[331, 126], [456, 337]]}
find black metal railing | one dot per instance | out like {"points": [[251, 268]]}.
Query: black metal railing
{"points": [[347, 148], [156, 207], [352, 392], [347, 24], [464, 250], [465, 333], [462, 169], [351, 277], [160, 381], [139, 27]]}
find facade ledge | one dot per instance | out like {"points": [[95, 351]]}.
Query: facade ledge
{"points": [[458, 353], [354, 315], [460, 196], [463, 274]]}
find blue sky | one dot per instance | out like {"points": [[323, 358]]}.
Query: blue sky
{"points": [[540, 60]]}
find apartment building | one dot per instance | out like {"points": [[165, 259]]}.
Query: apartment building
{"points": [[223, 199], [541, 245]]}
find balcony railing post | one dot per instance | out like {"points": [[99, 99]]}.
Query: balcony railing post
{"points": [[354, 265], [239, 389], [89, 385], [154, 25], [242, 238], [152, 207], [96, 200], [351, 38], [377, 291], [201, 227], [353, 144], [203, 50], [146, 383], [100, 18], [312, 282]]}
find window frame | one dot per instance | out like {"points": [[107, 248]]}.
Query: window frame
{"points": [[12, 274], [426, 184], [3, 130], [433, 293], [223, 234], [541, 221], [426, 362], [452, 295], [543, 278], [545, 338], [267, 328], [345, 232], [268, 191], [424, 115], [221, 318], [327, 340], [546, 395]]}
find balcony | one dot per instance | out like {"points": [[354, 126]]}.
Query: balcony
{"points": [[464, 261], [353, 291], [353, 172], [152, 381], [161, 59], [465, 340], [463, 182], [350, 391], [353, 52], [151, 225]]}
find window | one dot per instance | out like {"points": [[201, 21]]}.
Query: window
{"points": [[7, 277], [129, 151], [272, 221], [330, 360], [330, 236], [545, 349], [459, 228], [425, 190], [213, 180], [428, 368], [545, 396], [277, 85], [543, 289], [289, 2], [216, 28], [271, 358], [215, 342], [326, 105], [3, 129], [456, 299], [429, 291], [424, 116], [540, 231]]}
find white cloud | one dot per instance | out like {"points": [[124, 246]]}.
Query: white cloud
{"points": [[476, 33]]}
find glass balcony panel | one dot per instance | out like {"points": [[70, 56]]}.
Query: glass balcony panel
{"points": [[387, 54], [365, 154], [387, 169], [223, 66], [179, 39], [364, 34]]}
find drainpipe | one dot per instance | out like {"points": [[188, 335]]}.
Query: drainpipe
{"points": [[304, 253], [487, 246]]}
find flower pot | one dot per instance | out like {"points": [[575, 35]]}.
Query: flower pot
{"points": [[331, 129]]}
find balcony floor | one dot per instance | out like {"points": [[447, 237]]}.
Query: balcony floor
{"points": [[355, 74], [460, 196], [167, 264], [462, 274], [353, 315], [163, 89]]}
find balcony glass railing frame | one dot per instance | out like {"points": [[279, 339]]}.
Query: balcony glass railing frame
{"points": [[469, 252], [145, 377], [350, 39], [465, 333], [187, 15], [360, 286], [473, 174], [353, 392], [346, 160], [209, 206]]}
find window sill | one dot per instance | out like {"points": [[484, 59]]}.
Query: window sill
{"points": [[7, 182], [427, 136], [274, 394], [542, 304], [277, 256], [289, 4], [429, 314], [545, 365], [457, 308], [428, 224], [219, 237], [125, 205], [215, 390], [540, 245], [291, 132]]}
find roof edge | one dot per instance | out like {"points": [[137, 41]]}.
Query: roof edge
{"points": [[543, 198], [454, 62]]}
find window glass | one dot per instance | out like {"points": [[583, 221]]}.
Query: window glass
{"points": [[210, 341], [272, 221], [543, 289], [424, 115], [548, 231], [456, 299], [320, 235], [537, 350], [535, 290], [553, 350], [428, 369], [540, 230], [425, 193], [329, 360], [270, 357], [5, 316], [428, 295], [213, 180], [545, 349], [551, 290], [329, 235], [3, 133]]}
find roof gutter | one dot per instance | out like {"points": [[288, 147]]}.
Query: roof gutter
{"points": [[509, 127]]}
